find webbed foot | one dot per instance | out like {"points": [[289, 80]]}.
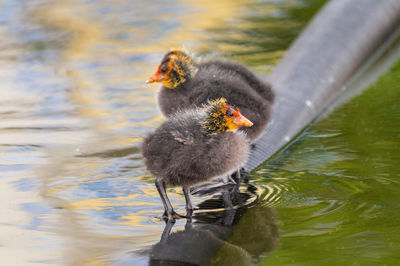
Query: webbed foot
{"points": [[172, 216]]}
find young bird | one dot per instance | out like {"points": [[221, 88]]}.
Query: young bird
{"points": [[195, 145], [187, 83]]}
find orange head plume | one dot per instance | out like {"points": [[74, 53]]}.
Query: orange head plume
{"points": [[175, 68]]}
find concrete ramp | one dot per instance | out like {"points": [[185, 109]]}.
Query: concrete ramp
{"points": [[341, 38]]}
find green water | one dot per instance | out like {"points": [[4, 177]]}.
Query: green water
{"points": [[74, 109], [339, 184]]}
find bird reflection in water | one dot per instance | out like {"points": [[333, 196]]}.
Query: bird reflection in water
{"points": [[218, 236]]}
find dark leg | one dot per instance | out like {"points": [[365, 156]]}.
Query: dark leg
{"points": [[167, 231], [229, 216], [169, 211], [236, 176], [230, 179], [227, 200], [188, 225], [189, 207], [244, 176]]}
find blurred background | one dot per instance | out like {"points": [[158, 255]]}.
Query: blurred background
{"points": [[74, 108]]}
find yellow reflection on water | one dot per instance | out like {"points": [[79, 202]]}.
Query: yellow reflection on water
{"points": [[86, 41], [74, 18], [103, 203]]}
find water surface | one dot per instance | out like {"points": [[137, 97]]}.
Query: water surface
{"points": [[74, 109]]}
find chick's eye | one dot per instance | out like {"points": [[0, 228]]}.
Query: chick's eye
{"points": [[229, 114]]}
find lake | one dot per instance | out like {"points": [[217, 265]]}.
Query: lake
{"points": [[75, 108]]}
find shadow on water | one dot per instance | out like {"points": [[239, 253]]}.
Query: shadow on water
{"points": [[74, 109], [209, 237]]}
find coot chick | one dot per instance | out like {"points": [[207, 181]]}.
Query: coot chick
{"points": [[195, 145], [187, 83], [262, 88]]}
